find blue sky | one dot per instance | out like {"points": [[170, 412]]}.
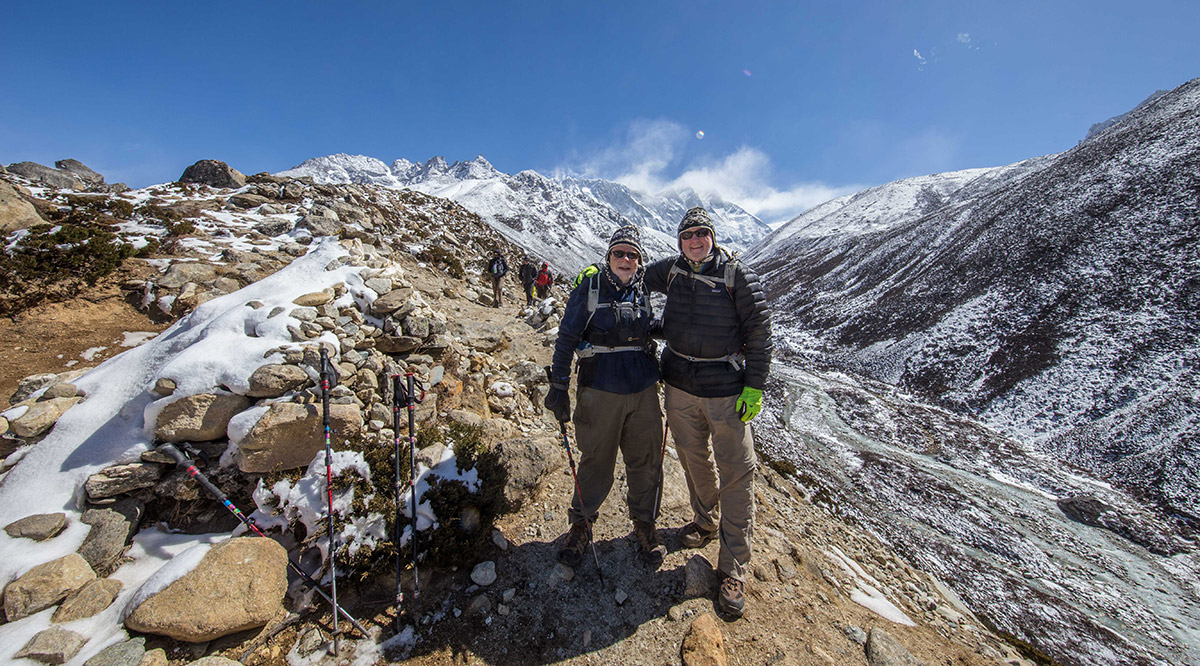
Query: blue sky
{"points": [[797, 101]]}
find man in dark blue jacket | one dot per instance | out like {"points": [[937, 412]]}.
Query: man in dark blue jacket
{"points": [[606, 324]]}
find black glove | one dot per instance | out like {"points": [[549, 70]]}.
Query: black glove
{"points": [[655, 331], [557, 400]]}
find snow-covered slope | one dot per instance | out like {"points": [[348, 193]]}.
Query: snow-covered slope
{"points": [[1056, 298], [566, 221]]}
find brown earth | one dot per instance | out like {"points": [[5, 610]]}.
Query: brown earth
{"points": [[46, 338]]}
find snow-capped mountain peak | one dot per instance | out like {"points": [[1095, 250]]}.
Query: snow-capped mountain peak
{"points": [[565, 220]]}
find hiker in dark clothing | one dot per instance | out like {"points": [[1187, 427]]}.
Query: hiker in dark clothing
{"points": [[606, 325], [527, 273], [718, 354], [543, 281], [497, 268]]}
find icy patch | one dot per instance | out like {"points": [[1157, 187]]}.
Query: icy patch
{"points": [[502, 390], [90, 353], [241, 424], [135, 338], [866, 592], [1016, 483], [15, 413]]}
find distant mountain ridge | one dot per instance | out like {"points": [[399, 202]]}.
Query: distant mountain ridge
{"points": [[1055, 298], [566, 221]]}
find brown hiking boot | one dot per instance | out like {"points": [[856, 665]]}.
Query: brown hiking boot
{"points": [[691, 536], [576, 542], [652, 550], [732, 599]]}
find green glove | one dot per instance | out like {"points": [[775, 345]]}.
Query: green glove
{"points": [[586, 273], [749, 404]]}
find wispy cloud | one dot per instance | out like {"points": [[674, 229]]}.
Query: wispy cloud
{"points": [[964, 38], [921, 61], [648, 160]]}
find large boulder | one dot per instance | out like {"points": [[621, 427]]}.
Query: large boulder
{"points": [[112, 529], [89, 600], [288, 435], [41, 416], [52, 646], [320, 225], [275, 379], [38, 527], [80, 171], [183, 272], [120, 479], [883, 650], [239, 584], [198, 418], [397, 302], [213, 173], [30, 385], [248, 200], [15, 212], [45, 585], [40, 173], [528, 460]]}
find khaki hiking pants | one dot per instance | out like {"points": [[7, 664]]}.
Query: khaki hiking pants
{"points": [[723, 491], [497, 296], [604, 423]]}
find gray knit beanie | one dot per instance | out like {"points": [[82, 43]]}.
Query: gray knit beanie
{"points": [[695, 217], [627, 235]]}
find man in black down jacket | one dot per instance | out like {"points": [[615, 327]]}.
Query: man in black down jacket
{"points": [[715, 366]]}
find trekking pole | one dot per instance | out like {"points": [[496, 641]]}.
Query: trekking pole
{"points": [[327, 373], [186, 465], [662, 460], [411, 399], [408, 398], [562, 429], [396, 389]]}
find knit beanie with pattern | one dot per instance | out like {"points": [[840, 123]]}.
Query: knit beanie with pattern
{"points": [[695, 217], [627, 235]]}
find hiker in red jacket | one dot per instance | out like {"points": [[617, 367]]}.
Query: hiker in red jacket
{"points": [[544, 279]]}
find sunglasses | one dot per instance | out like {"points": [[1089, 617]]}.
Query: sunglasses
{"points": [[699, 233], [622, 254]]}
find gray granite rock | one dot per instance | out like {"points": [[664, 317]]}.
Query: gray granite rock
{"points": [[125, 653], [38, 527], [52, 646]]}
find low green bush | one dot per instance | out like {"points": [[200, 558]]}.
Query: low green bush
{"points": [[51, 262]]}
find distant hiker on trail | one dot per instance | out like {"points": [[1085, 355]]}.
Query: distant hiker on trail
{"points": [[606, 324], [543, 281], [527, 273], [718, 354], [497, 268]]}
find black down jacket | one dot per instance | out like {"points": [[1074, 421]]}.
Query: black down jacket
{"points": [[709, 321]]}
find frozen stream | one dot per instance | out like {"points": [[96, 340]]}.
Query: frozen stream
{"points": [[979, 511]]}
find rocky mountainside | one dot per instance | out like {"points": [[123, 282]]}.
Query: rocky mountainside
{"points": [[1055, 299], [566, 221], [113, 554]]}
